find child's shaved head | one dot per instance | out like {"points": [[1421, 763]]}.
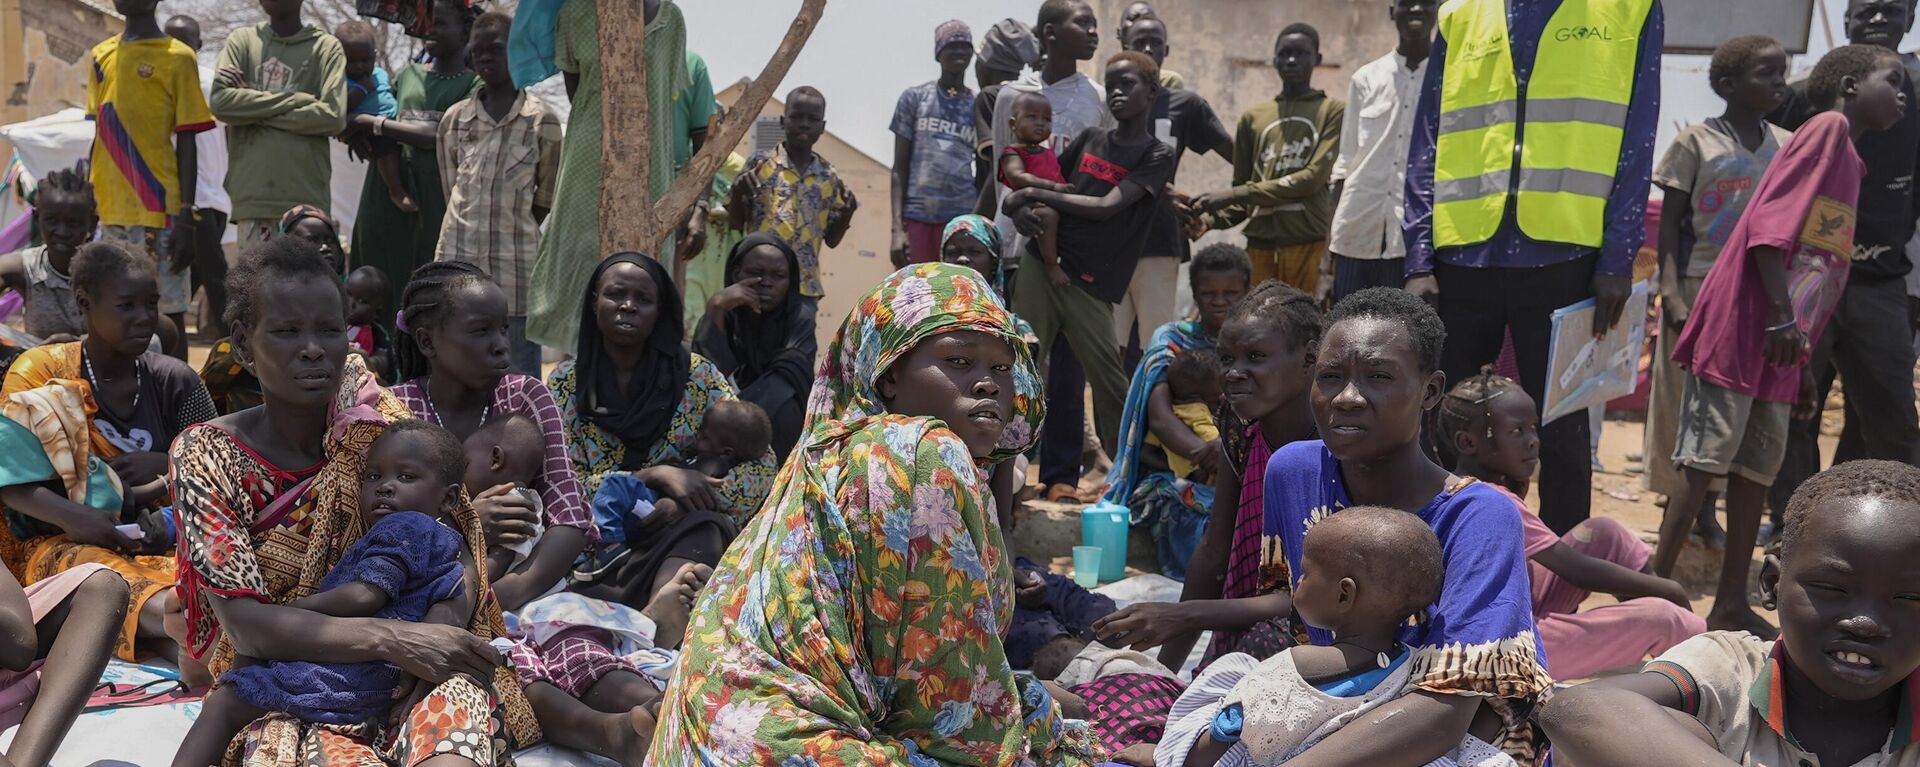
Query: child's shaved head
{"points": [[1194, 375], [1888, 480], [1387, 551], [509, 449], [807, 94], [355, 32], [515, 432], [1024, 101], [741, 426]]}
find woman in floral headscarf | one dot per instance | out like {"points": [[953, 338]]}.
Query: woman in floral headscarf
{"points": [[973, 242], [858, 619]]}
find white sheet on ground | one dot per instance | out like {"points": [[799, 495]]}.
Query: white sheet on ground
{"points": [[148, 736], [1154, 587]]}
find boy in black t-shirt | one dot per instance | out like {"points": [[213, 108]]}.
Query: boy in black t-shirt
{"points": [[1185, 122], [1117, 176]]}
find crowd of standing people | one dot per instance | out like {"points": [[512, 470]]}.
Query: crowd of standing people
{"points": [[378, 526]]}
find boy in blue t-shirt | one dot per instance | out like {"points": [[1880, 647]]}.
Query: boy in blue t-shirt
{"points": [[933, 151], [368, 93]]}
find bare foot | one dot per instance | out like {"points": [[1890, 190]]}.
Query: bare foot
{"points": [[628, 736], [193, 673], [671, 606], [1711, 535], [405, 202], [1707, 526], [1741, 618]]}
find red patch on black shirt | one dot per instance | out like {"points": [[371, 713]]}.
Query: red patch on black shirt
{"points": [[1102, 169]]}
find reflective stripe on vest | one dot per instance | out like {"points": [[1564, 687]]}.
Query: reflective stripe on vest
{"points": [[1574, 108]]}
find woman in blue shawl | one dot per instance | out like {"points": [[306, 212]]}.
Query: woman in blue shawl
{"points": [[1140, 479]]}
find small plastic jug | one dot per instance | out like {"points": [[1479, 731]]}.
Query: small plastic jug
{"points": [[1105, 525]]}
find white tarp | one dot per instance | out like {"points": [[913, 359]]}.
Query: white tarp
{"points": [[63, 138]]}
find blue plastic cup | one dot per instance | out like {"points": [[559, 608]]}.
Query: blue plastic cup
{"points": [[1105, 525], [1086, 566]]}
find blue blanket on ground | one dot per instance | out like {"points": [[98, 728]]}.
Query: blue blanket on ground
{"points": [[411, 557]]}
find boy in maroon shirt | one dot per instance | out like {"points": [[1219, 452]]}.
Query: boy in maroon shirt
{"points": [[1745, 345]]}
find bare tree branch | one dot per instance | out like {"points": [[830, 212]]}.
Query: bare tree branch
{"points": [[650, 226]]}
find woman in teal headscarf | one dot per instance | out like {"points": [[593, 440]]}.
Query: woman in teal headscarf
{"points": [[1176, 507], [858, 619]]}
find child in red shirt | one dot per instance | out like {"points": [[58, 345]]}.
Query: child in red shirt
{"points": [[1030, 163]]}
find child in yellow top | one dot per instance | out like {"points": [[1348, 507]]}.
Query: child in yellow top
{"points": [[1193, 381]]}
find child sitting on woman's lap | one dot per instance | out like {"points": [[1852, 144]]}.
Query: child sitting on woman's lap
{"points": [[1367, 571], [1193, 384], [734, 432], [410, 565], [509, 453]]}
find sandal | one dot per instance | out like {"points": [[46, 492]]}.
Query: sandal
{"points": [[1062, 492], [158, 692]]}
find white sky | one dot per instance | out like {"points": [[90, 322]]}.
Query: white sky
{"points": [[866, 51], [863, 54]]}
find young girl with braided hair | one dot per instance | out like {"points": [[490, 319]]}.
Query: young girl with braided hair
{"points": [[1489, 429], [64, 215], [451, 347], [451, 351]]}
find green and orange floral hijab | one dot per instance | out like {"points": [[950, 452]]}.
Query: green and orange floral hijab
{"points": [[911, 306]]}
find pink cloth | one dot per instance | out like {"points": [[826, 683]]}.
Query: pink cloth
{"points": [[1250, 563], [1804, 207], [923, 241], [17, 688], [1610, 636], [1580, 644], [574, 660]]}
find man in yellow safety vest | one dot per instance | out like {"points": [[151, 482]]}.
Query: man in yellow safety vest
{"points": [[1527, 185]]}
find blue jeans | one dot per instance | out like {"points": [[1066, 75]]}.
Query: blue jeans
{"points": [[614, 502], [523, 355]]}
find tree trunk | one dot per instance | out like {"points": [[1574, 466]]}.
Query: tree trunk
{"points": [[625, 127], [629, 218]]}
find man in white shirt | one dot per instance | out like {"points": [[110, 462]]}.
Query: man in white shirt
{"points": [[1370, 178], [212, 206]]}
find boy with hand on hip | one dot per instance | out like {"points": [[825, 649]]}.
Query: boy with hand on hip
{"points": [[794, 193]]}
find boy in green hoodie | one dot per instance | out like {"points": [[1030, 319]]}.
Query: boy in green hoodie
{"points": [[1283, 156], [281, 90]]}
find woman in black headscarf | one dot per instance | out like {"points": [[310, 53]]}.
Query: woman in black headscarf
{"points": [[631, 404], [759, 332]]}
